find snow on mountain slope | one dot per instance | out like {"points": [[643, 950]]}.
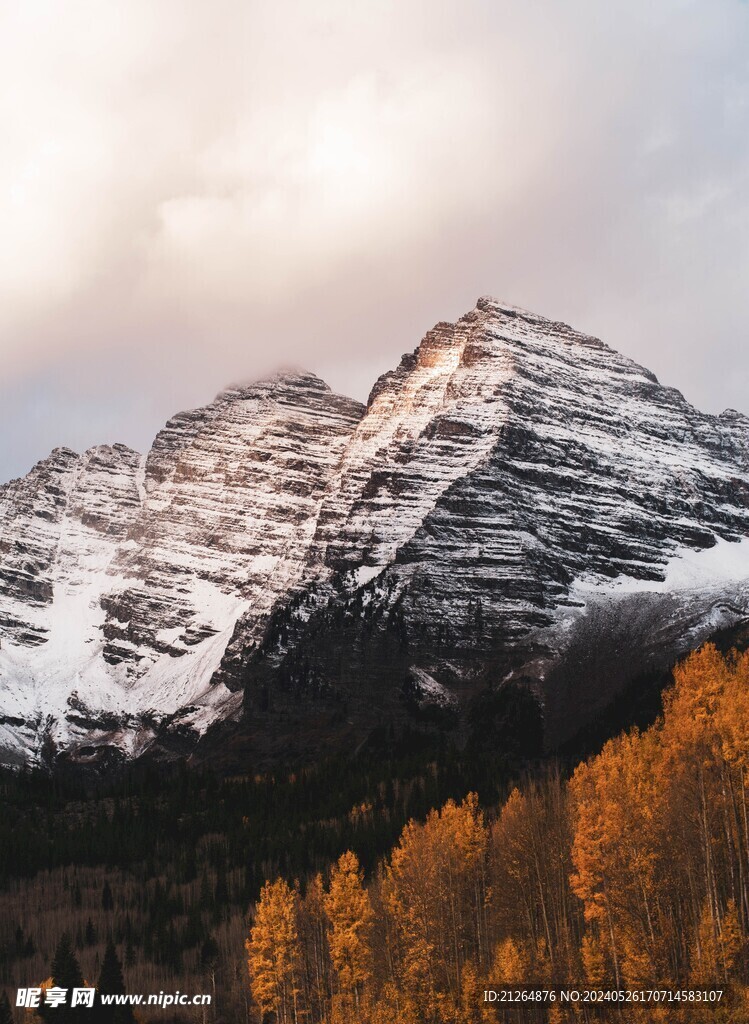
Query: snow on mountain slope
{"points": [[59, 530], [506, 459], [123, 578], [518, 501]]}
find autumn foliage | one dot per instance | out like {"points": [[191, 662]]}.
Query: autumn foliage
{"points": [[633, 873]]}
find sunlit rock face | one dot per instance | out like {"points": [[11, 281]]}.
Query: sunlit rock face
{"points": [[517, 502]]}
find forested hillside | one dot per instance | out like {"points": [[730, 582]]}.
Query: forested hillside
{"points": [[169, 863], [394, 887], [632, 874]]}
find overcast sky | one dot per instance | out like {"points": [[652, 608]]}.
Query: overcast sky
{"points": [[195, 193]]}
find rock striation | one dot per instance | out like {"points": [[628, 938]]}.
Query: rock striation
{"points": [[517, 503], [122, 578]]}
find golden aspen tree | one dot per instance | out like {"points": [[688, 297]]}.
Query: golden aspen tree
{"points": [[459, 838], [511, 964], [407, 892], [435, 892], [616, 852], [699, 681], [589, 880], [272, 953], [349, 911], [705, 951], [704, 740], [472, 1008], [511, 896], [732, 729], [530, 865], [715, 953], [394, 1007], [731, 939], [593, 959], [732, 714]]}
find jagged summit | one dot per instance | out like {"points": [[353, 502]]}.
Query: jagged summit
{"points": [[121, 576], [517, 500], [278, 383], [497, 323], [489, 303]]}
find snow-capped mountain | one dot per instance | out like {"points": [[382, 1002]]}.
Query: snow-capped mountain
{"points": [[122, 577], [517, 501]]}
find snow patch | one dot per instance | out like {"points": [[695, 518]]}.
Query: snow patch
{"points": [[727, 562], [366, 573]]}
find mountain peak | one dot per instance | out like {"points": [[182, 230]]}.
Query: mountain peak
{"points": [[286, 379], [488, 303], [515, 493]]}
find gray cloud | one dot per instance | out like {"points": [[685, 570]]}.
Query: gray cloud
{"points": [[192, 194]]}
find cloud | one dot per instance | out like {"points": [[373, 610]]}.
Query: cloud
{"points": [[191, 194]]}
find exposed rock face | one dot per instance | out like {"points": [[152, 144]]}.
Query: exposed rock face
{"points": [[71, 509], [123, 578], [518, 502]]}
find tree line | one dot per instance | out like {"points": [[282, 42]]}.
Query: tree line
{"points": [[632, 873], [167, 862]]}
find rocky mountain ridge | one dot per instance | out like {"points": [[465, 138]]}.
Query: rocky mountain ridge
{"points": [[517, 503], [122, 577]]}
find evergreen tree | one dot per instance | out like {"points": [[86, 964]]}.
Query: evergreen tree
{"points": [[107, 900], [111, 982], [66, 973], [66, 970]]}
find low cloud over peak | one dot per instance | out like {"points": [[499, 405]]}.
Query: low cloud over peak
{"points": [[192, 195]]}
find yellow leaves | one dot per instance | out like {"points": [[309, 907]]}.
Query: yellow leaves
{"points": [[434, 893], [472, 1009], [460, 827], [707, 711], [620, 798], [717, 945], [705, 950], [638, 970], [731, 938], [593, 958], [361, 812], [394, 1007], [649, 806], [511, 964], [349, 911], [314, 899], [272, 949], [510, 834], [651, 836]]}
